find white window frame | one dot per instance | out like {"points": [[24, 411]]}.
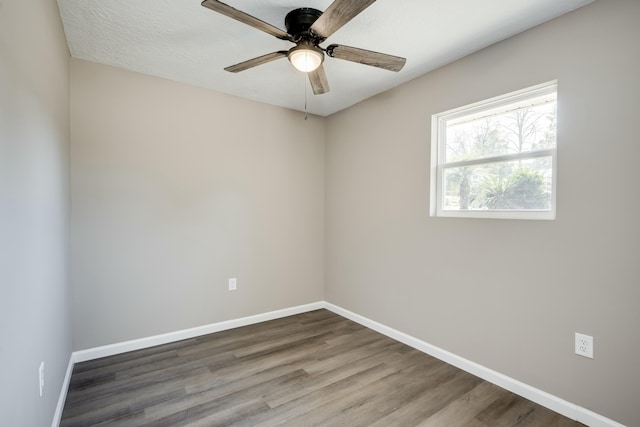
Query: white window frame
{"points": [[438, 164]]}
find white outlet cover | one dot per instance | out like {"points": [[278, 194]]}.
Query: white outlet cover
{"points": [[233, 284], [584, 345]]}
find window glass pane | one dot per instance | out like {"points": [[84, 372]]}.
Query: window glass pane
{"points": [[512, 129], [509, 185]]}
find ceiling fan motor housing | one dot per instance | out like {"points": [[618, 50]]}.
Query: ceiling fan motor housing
{"points": [[298, 22]]}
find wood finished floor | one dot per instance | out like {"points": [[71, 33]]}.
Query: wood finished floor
{"points": [[311, 369]]}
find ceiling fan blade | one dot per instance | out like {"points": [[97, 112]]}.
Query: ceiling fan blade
{"points": [[337, 14], [367, 57], [245, 18], [257, 61], [318, 80]]}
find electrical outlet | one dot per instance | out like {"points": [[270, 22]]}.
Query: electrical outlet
{"points": [[41, 377], [233, 284], [584, 345]]}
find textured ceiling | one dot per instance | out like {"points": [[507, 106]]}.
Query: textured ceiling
{"points": [[183, 41]]}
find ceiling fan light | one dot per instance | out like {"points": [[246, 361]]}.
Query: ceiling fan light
{"points": [[306, 58]]}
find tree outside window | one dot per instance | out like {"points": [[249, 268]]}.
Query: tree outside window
{"points": [[498, 156]]}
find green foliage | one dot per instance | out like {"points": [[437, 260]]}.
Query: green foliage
{"points": [[523, 189], [519, 183]]}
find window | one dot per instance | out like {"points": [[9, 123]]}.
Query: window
{"points": [[497, 158]]}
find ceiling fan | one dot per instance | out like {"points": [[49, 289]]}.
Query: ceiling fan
{"points": [[307, 28]]}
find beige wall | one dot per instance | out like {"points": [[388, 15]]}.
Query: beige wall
{"points": [[175, 189], [508, 294], [34, 210]]}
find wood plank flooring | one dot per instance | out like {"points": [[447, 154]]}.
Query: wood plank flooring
{"points": [[312, 369]]}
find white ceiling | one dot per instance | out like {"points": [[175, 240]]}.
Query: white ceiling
{"points": [[181, 40]]}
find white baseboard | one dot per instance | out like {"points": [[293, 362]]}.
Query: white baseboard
{"points": [[137, 344], [545, 399], [57, 416], [538, 396], [592, 419]]}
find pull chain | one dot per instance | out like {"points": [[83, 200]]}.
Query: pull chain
{"points": [[306, 116]]}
